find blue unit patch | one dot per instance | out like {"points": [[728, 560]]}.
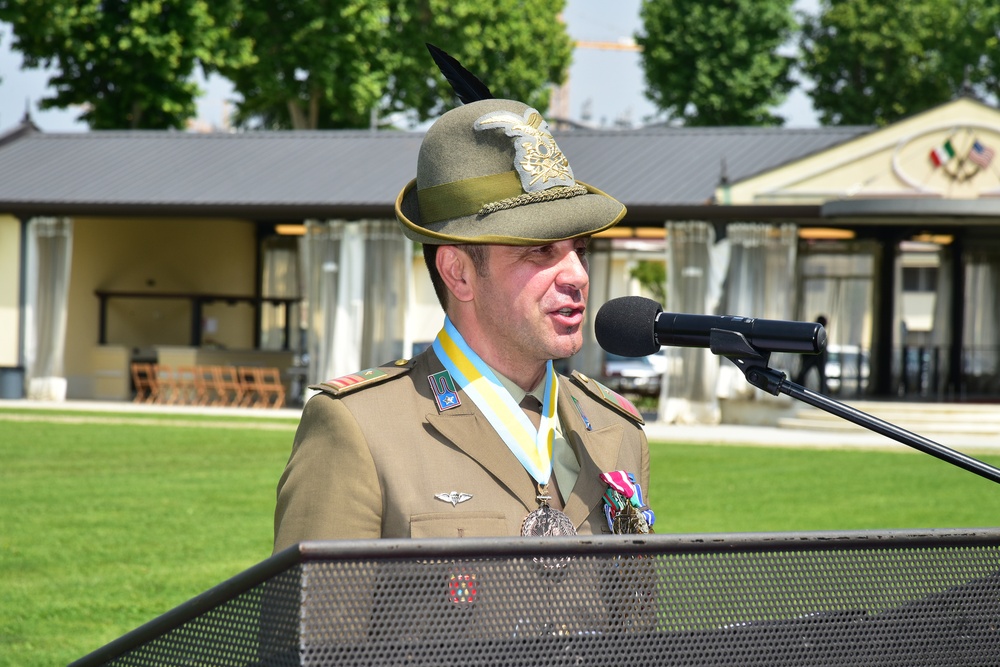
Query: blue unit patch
{"points": [[445, 393]]}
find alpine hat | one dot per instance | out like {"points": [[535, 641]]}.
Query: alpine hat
{"points": [[490, 172]]}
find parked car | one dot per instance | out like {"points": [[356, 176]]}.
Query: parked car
{"points": [[631, 375], [661, 362], [847, 369]]}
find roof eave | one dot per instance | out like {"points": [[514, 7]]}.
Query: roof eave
{"points": [[257, 212]]}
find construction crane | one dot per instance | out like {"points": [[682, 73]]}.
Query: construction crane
{"points": [[559, 102]]}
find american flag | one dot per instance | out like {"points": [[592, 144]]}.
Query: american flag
{"points": [[981, 154]]}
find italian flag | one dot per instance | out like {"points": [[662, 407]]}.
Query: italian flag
{"points": [[942, 153]]}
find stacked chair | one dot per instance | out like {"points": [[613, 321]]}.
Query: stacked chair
{"points": [[212, 385]]}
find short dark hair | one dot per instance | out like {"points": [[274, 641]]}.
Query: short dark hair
{"points": [[478, 253]]}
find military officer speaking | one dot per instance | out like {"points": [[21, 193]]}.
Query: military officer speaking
{"points": [[478, 436]]}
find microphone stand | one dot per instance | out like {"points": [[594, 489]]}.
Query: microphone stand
{"points": [[753, 363]]}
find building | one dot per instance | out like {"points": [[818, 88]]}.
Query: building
{"points": [[187, 248]]}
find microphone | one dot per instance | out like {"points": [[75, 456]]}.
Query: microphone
{"points": [[633, 326]]}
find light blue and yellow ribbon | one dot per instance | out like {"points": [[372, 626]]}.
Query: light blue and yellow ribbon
{"points": [[533, 448]]}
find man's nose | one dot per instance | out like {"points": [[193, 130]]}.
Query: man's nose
{"points": [[573, 271]]}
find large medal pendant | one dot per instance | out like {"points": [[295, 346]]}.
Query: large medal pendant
{"points": [[629, 521], [546, 521]]}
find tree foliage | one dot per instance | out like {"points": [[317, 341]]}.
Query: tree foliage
{"points": [[128, 63], [652, 275], [873, 61], [319, 64], [516, 47], [716, 62], [323, 64]]}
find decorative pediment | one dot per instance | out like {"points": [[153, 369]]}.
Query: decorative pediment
{"points": [[949, 152]]}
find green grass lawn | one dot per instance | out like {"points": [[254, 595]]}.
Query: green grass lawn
{"points": [[105, 526], [698, 488]]}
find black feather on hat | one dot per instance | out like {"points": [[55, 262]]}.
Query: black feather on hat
{"points": [[466, 85]]}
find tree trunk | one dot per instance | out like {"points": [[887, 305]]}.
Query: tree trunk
{"points": [[136, 115], [313, 109], [298, 118]]}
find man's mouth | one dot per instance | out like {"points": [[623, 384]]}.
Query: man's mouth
{"points": [[570, 316]]}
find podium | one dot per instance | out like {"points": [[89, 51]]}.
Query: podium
{"points": [[910, 598]]}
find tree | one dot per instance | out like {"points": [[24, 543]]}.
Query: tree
{"points": [[128, 63], [319, 63], [517, 48], [652, 275], [716, 62], [323, 64], [874, 61]]}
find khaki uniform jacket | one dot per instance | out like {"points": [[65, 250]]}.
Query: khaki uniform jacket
{"points": [[369, 459]]}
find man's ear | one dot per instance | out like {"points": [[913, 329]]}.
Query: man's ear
{"points": [[456, 269]]}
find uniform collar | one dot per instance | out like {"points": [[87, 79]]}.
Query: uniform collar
{"points": [[516, 392]]}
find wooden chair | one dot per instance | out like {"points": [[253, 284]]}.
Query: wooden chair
{"points": [[226, 384], [202, 385], [144, 378], [252, 397], [186, 383], [269, 387], [166, 378]]}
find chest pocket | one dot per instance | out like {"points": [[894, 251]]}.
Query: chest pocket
{"points": [[459, 524]]}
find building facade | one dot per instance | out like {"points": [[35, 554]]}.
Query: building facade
{"points": [[280, 249]]}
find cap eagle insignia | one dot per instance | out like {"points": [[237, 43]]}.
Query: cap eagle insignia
{"points": [[538, 160]]}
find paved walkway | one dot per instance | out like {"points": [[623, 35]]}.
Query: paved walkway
{"points": [[773, 436], [851, 436], [127, 407]]}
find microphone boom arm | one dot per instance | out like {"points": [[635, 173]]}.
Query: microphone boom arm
{"points": [[753, 364]]}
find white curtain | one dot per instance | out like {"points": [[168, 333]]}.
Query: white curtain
{"points": [[280, 279], [345, 344], [590, 359], [760, 284], [354, 276], [50, 244], [982, 320], [319, 252], [387, 265], [837, 281], [696, 269], [941, 329]]}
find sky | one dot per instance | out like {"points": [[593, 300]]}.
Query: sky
{"points": [[605, 85]]}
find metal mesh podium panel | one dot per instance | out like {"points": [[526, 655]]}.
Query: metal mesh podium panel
{"points": [[787, 599]]}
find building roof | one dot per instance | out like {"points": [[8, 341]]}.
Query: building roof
{"points": [[352, 173]]}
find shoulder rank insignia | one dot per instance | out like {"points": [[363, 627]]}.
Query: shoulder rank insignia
{"points": [[370, 376], [610, 398]]}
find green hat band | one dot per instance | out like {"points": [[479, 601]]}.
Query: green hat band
{"points": [[482, 195]]}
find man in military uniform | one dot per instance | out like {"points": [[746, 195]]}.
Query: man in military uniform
{"points": [[477, 436]]}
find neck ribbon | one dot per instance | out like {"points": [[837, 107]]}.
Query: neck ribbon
{"points": [[533, 448]]}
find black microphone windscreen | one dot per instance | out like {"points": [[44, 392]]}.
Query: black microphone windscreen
{"points": [[627, 326]]}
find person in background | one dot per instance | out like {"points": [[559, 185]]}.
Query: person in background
{"points": [[815, 362]]}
